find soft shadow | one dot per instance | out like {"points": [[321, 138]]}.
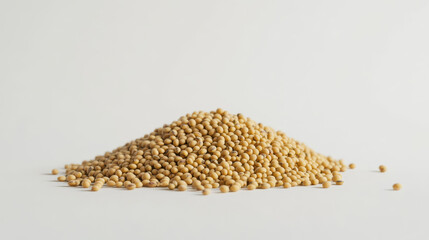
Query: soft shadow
{"points": [[165, 189]]}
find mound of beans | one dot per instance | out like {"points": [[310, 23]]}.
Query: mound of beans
{"points": [[206, 150]]}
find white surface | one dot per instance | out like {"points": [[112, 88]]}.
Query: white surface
{"points": [[79, 78]]}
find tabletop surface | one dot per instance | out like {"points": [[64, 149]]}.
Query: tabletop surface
{"points": [[349, 79]]}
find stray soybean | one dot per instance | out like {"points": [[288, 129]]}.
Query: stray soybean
{"points": [[397, 186]]}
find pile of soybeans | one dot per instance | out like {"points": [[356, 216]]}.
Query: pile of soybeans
{"points": [[208, 150]]}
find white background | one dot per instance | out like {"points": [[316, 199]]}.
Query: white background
{"points": [[348, 78]]}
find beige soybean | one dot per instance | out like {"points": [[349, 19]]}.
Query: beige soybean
{"points": [[182, 187], [111, 183], [95, 188], [71, 177], [339, 182], [234, 188], [224, 189], [86, 183], [326, 184], [336, 178], [73, 183], [397, 186]]}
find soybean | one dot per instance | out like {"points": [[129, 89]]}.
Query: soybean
{"points": [[397, 186]]}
